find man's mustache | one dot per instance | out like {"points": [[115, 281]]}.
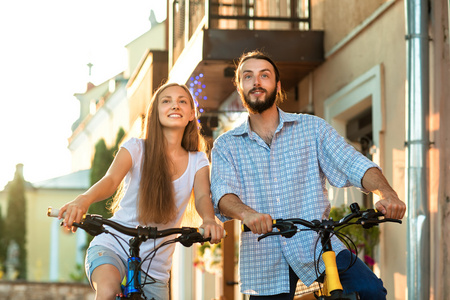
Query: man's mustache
{"points": [[258, 89]]}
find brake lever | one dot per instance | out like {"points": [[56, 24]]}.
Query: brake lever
{"points": [[289, 233], [187, 240], [286, 233], [367, 224], [91, 226], [392, 220], [269, 234]]}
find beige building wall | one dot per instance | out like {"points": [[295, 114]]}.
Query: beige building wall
{"points": [[363, 38], [44, 263], [365, 67], [41, 230], [154, 39], [104, 122], [439, 154]]}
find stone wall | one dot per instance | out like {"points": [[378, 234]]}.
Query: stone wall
{"points": [[22, 290]]}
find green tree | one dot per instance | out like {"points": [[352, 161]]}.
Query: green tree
{"points": [[103, 158], [3, 243], [15, 218], [100, 164]]}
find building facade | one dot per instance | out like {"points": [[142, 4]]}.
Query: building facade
{"points": [[377, 70]]}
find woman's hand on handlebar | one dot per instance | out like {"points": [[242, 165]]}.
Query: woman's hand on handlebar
{"points": [[258, 223], [73, 212], [213, 230]]}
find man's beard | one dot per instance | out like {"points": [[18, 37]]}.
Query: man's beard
{"points": [[257, 107]]}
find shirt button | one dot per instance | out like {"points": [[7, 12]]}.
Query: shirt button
{"points": [[278, 200], [275, 179], [284, 243]]}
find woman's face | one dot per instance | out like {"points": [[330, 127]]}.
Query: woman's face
{"points": [[175, 107]]}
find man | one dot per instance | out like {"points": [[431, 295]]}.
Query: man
{"points": [[275, 165]]}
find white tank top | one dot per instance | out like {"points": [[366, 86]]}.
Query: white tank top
{"points": [[127, 216]]}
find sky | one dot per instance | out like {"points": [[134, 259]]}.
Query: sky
{"points": [[45, 47]]}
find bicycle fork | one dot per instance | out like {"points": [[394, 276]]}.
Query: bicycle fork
{"points": [[332, 287]]}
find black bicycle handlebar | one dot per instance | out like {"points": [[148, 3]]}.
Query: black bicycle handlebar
{"points": [[287, 227], [93, 224]]}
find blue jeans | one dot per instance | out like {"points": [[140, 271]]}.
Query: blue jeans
{"points": [[359, 278]]}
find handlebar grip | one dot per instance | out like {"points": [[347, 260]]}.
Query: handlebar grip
{"points": [[53, 212], [245, 228]]}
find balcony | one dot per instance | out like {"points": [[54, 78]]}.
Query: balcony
{"points": [[206, 37]]}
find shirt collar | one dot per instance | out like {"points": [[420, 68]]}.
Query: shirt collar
{"points": [[244, 128]]}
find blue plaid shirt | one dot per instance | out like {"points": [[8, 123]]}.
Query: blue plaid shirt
{"points": [[286, 180]]}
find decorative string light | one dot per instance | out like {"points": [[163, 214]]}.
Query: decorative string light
{"points": [[197, 89]]}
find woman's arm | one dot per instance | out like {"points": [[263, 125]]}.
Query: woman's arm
{"points": [[204, 206], [101, 190]]}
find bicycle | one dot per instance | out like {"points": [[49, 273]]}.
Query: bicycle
{"points": [[329, 282], [132, 286]]}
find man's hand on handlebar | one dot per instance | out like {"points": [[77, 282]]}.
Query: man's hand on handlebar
{"points": [[258, 223], [391, 206]]}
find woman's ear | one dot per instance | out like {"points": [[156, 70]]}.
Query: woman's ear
{"points": [[192, 117]]}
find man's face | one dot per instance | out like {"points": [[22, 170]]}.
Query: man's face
{"points": [[257, 86]]}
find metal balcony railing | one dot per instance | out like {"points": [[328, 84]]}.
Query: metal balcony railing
{"points": [[187, 16]]}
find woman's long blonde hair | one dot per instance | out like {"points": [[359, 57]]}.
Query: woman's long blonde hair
{"points": [[156, 195]]}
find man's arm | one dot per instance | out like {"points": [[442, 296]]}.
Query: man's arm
{"points": [[389, 204], [231, 206]]}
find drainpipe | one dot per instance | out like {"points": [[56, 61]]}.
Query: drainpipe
{"points": [[417, 143]]}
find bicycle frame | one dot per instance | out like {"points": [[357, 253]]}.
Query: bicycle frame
{"points": [[133, 278]]}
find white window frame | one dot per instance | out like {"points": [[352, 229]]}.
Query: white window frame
{"points": [[365, 91]]}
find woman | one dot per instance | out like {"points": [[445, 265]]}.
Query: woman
{"points": [[158, 174]]}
